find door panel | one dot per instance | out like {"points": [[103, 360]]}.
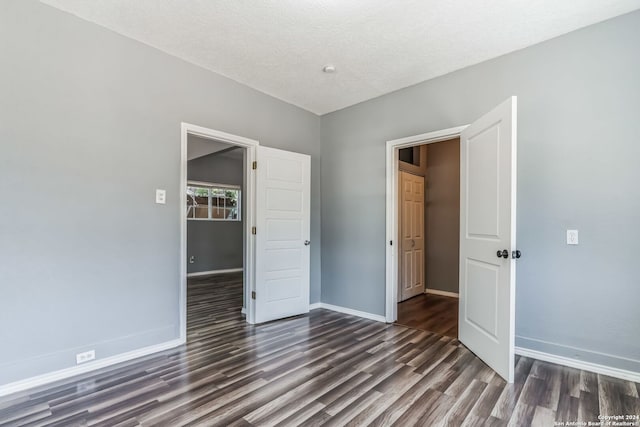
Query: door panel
{"points": [[483, 153], [408, 272], [283, 226], [484, 293], [284, 230], [488, 213], [412, 231]]}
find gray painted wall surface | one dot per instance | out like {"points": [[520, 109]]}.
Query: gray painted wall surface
{"points": [[442, 213], [216, 245], [90, 123], [578, 148]]}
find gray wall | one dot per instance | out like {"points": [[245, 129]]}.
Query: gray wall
{"points": [[578, 148], [442, 215], [90, 123], [216, 245]]}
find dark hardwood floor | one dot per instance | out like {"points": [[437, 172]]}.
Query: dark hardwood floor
{"points": [[428, 312], [322, 368]]}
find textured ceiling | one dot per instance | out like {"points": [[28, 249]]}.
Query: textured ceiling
{"points": [[279, 47]]}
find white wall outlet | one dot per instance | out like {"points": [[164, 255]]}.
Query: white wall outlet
{"points": [[161, 196], [192, 259], [572, 237], [85, 357]]}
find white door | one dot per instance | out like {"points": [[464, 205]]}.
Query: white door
{"points": [[282, 234], [412, 232], [487, 233]]}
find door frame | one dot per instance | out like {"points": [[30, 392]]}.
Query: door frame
{"points": [[249, 214], [392, 176]]}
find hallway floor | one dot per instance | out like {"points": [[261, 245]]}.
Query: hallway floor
{"points": [[428, 312]]}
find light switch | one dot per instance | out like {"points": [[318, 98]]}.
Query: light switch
{"points": [[161, 196], [572, 237]]}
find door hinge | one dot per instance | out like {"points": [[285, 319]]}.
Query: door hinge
{"points": [[254, 230], [255, 165], [390, 242], [253, 294]]}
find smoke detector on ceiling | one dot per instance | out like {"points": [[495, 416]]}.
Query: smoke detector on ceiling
{"points": [[329, 69]]}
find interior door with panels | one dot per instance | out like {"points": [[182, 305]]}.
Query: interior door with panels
{"points": [[412, 236], [488, 237], [282, 234]]}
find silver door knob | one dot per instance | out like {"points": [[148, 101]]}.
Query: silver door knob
{"points": [[307, 242]]}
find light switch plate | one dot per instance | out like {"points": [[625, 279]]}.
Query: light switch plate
{"points": [[161, 197], [572, 237]]}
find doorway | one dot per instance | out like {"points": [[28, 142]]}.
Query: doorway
{"points": [[215, 233], [488, 252], [428, 222], [228, 203], [275, 226]]}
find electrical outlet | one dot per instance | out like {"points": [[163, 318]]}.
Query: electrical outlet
{"points": [[192, 259], [572, 237], [161, 196], [85, 357]]}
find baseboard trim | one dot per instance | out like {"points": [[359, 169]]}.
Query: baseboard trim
{"points": [[442, 293], [345, 310], [213, 272], [63, 374], [579, 364]]}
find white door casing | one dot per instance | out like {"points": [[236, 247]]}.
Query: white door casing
{"points": [[488, 226], [392, 209], [411, 235], [250, 146], [283, 234]]}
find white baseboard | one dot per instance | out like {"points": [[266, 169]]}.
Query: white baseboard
{"points": [[579, 364], [315, 305], [345, 310], [84, 368], [212, 272], [443, 293]]}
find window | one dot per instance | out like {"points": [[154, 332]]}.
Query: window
{"points": [[213, 202]]}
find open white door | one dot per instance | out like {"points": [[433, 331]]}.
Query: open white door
{"points": [[488, 237], [282, 235]]}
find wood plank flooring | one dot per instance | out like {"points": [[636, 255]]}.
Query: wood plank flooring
{"points": [[428, 312], [324, 368]]}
